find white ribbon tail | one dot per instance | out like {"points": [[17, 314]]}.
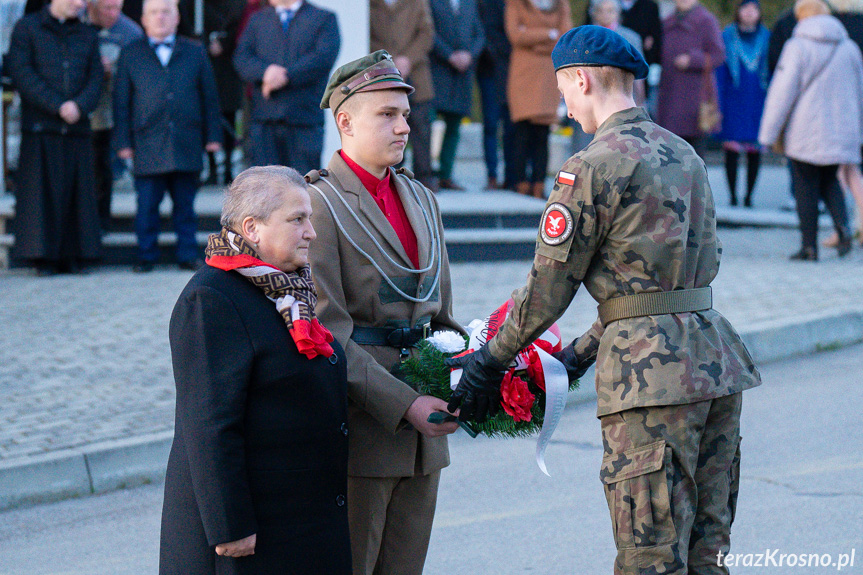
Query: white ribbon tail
{"points": [[454, 377], [556, 390]]}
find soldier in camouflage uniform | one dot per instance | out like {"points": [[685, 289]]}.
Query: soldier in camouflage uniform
{"points": [[633, 215]]}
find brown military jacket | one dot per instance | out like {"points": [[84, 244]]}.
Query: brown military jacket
{"points": [[642, 220], [351, 292]]}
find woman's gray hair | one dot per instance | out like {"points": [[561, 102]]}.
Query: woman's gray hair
{"points": [[257, 192]]}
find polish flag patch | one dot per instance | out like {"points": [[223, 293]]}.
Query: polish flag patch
{"points": [[566, 178]]}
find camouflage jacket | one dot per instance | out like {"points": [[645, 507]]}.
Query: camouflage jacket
{"points": [[633, 213]]}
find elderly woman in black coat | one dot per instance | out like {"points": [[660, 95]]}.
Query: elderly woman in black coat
{"points": [[257, 475]]}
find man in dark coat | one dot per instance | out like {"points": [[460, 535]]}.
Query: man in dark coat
{"points": [[491, 75], [779, 35], [116, 30], [287, 51], [222, 20], [459, 40], [165, 108], [55, 65]]}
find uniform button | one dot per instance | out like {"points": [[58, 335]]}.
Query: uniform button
{"points": [[333, 359], [340, 500], [65, 63], [170, 96], [344, 429], [171, 125]]}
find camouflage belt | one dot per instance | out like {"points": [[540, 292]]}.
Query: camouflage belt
{"points": [[655, 303]]}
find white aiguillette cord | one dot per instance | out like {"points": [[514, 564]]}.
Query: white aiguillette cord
{"points": [[435, 249]]}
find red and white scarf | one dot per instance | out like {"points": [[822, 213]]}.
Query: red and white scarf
{"points": [[293, 292]]}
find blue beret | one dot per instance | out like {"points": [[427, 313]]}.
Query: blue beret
{"points": [[597, 46]]}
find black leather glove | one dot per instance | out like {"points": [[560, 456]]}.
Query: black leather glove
{"points": [[478, 391], [574, 368]]}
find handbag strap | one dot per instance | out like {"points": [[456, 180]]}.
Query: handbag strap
{"points": [[708, 93], [821, 69]]}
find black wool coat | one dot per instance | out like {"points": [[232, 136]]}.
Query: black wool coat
{"points": [[165, 113], [260, 440], [51, 63]]}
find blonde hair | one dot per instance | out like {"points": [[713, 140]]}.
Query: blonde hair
{"points": [[806, 8], [606, 78]]}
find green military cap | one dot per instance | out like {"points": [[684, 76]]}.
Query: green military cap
{"points": [[373, 72]]}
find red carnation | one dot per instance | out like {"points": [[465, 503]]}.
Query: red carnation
{"points": [[534, 369], [515, 398]]}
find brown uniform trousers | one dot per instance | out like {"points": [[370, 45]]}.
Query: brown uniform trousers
{"points": [[393, 471]]}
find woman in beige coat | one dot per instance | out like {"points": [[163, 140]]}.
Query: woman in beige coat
{"points": [[533, 27]]}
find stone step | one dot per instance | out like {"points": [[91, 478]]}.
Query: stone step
{"points": [[480, 225]]}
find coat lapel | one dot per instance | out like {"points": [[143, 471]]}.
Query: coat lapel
{"points": [[414, 212], [368, 207]]}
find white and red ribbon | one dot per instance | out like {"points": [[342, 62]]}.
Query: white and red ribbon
{"points": [[553, 371]]}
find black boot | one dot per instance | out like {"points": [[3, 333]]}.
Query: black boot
{"points": [[844, 245], [805, 255]]}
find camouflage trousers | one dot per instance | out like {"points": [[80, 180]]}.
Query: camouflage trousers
{"points": [[671, 476]]}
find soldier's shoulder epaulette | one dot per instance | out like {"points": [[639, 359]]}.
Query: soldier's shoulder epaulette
{"points": [[410, 176], [406, 172], [315, 175]]}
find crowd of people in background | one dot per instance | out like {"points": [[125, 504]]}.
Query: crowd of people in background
{"points": [[109, 91]]}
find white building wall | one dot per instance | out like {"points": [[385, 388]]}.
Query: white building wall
{"points": [[353, 16]]}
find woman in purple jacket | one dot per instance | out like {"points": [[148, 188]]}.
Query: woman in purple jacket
{"points": [[690, 42]]}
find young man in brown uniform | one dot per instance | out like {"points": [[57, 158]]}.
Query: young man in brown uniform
{"points": [[381, 270]]}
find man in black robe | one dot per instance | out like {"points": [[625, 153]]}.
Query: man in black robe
{"points": [[55, 65]]}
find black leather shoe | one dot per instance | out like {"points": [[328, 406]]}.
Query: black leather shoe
{"points": [[192, 265], [805, 255], [448, 184], [46, 270], [143, 267]]}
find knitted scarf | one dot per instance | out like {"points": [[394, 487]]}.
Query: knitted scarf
{"points": [[293, 292]]}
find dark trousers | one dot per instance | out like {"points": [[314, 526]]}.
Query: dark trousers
{"points": [[229, 142], [104, 175], [531, 147], [151, 189], [494, 113], [811, 184], [753, 163], [450, 143], [420, 122], [278, 143], [698, 143]]}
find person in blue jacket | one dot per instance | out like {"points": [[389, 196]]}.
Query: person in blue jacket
{"points": [[742, 85]]}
